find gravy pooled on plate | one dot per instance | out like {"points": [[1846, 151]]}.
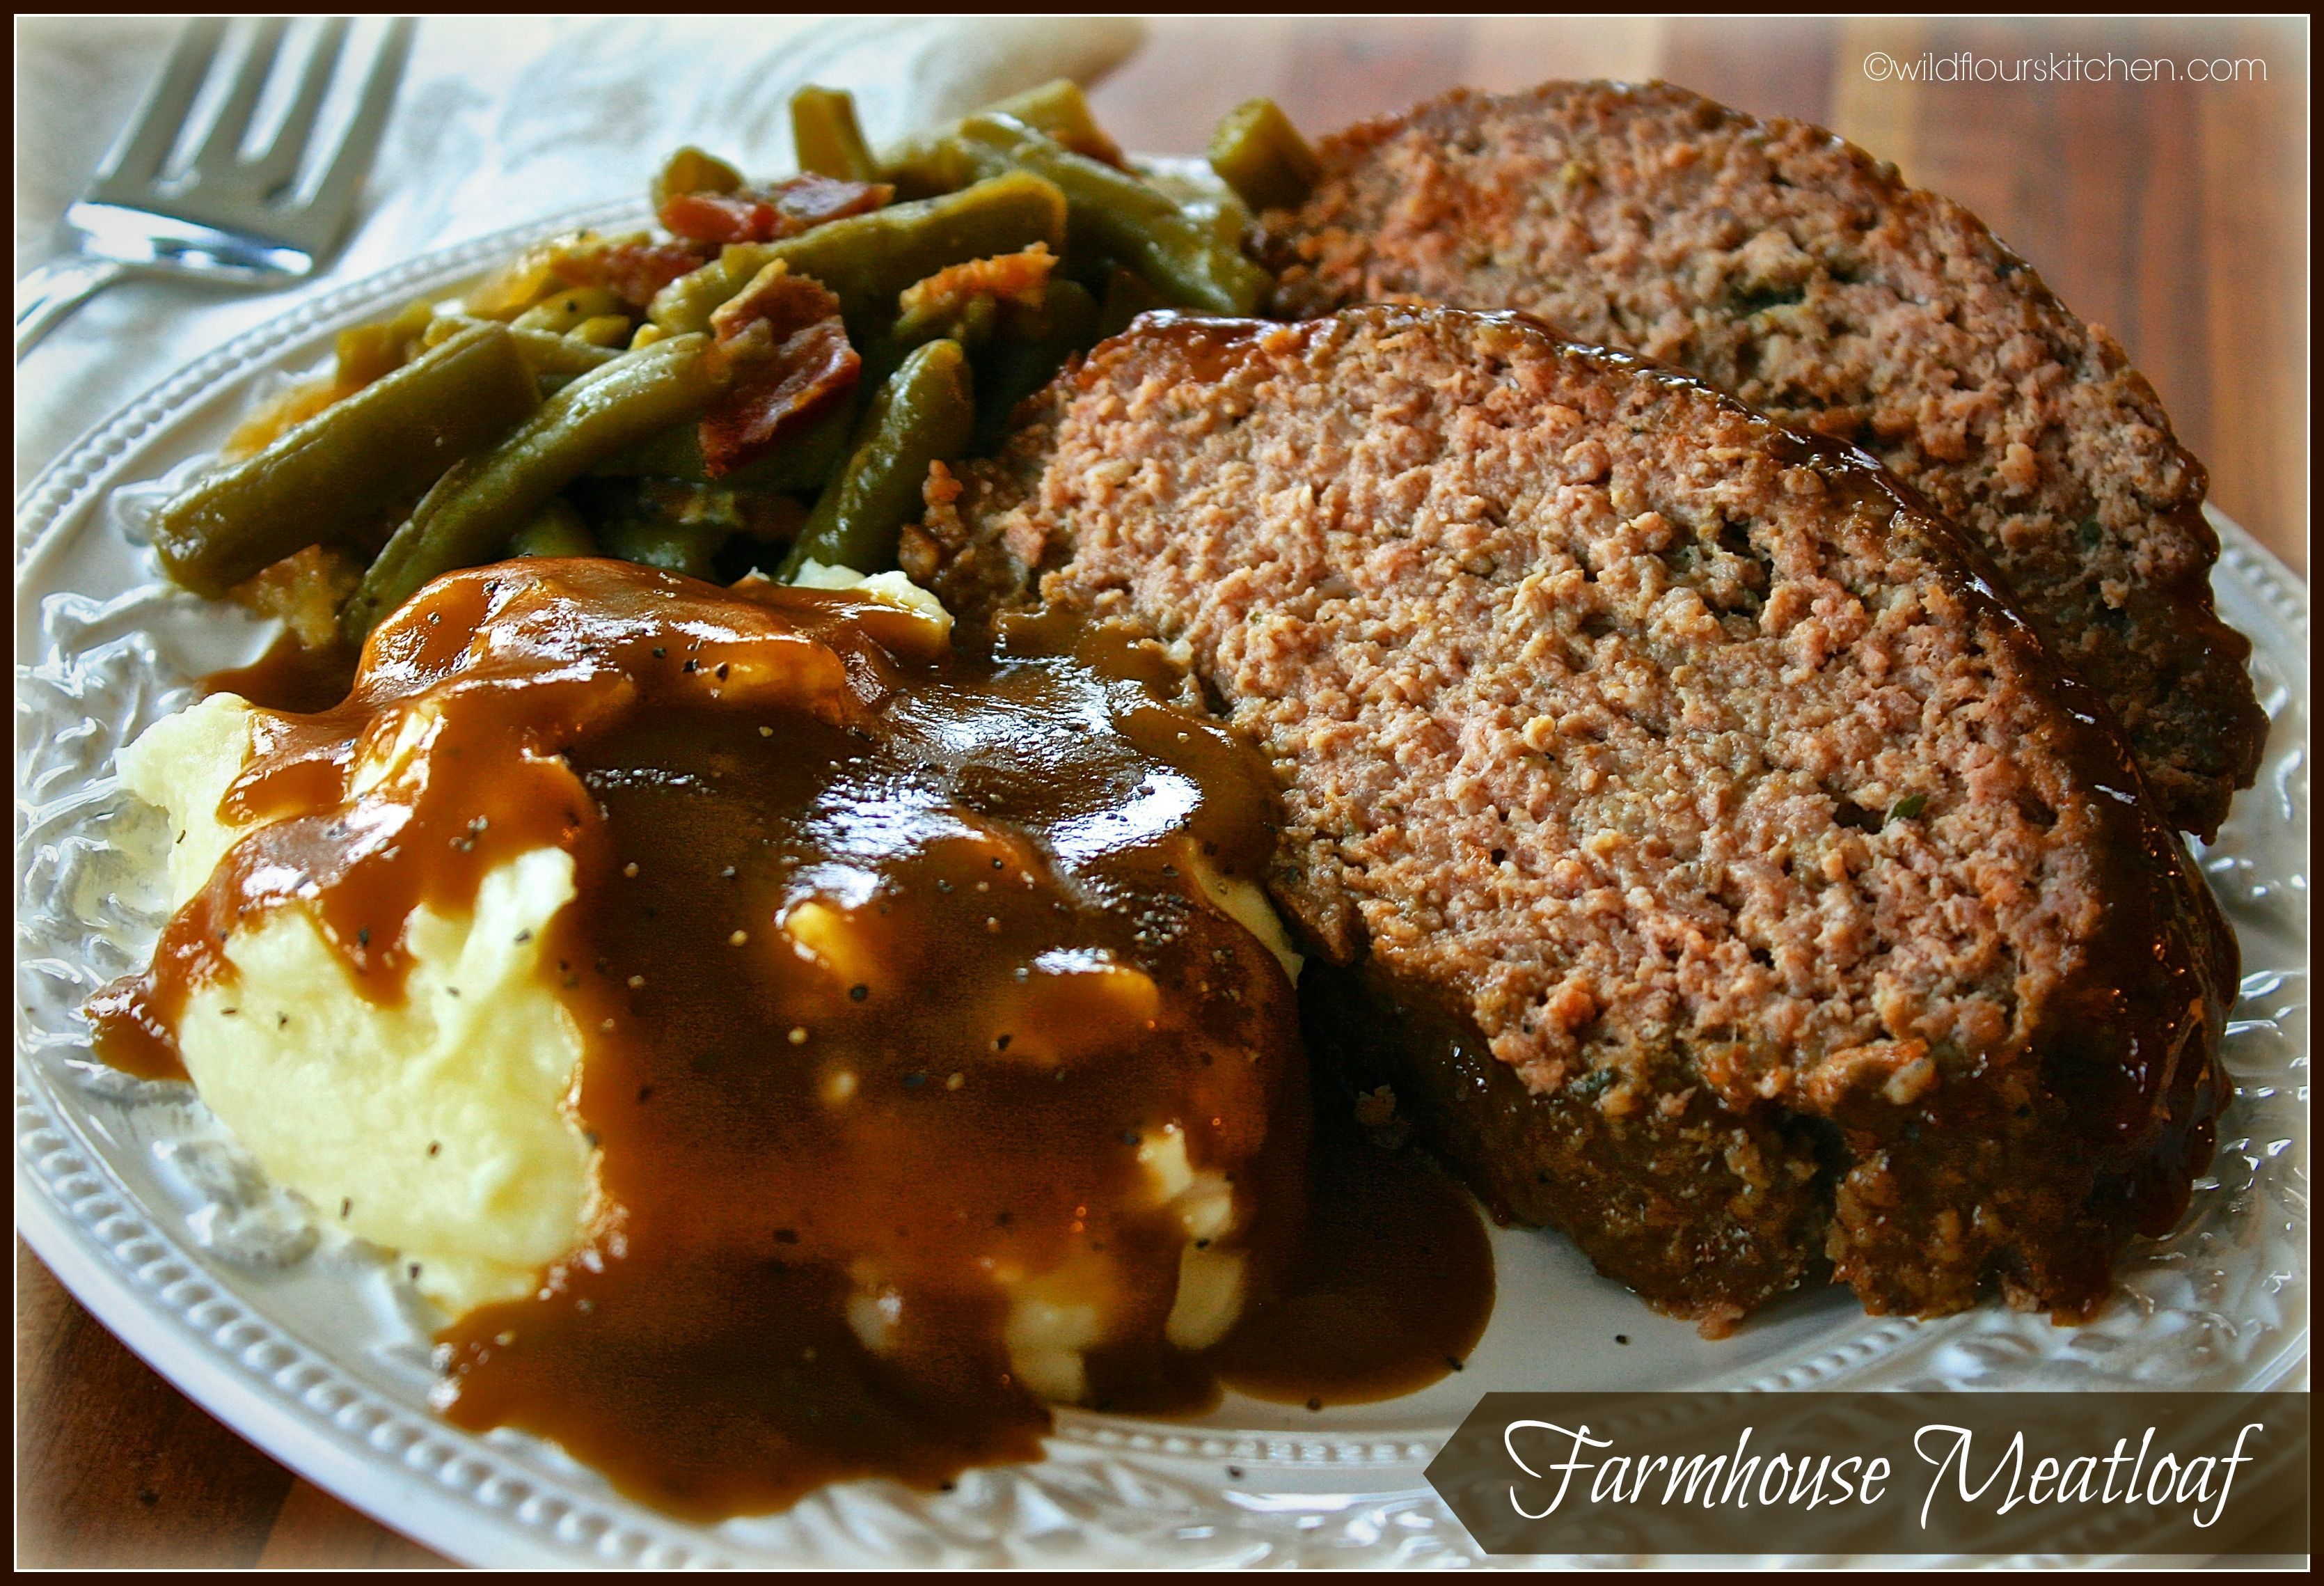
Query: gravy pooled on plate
{"points": [[927, 1073]]}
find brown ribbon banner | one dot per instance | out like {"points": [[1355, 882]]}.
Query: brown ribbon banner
{"points": [[2083, 1474]]}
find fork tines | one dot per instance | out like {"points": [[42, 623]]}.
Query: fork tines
{"points": [[259, 192]]}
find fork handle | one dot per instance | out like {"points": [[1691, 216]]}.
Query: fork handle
{"points": [[49, 292]]}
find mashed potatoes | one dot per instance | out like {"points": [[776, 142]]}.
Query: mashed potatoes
{"points": [[443, 1126], [438, 1126]]}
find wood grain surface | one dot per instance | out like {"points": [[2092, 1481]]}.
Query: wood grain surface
{"points": [[2174, 214]]}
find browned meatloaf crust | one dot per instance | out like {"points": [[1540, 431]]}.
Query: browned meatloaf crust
{"points": [[1800, 273], [1726, 874]]}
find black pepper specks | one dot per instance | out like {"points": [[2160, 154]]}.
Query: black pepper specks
{"points": [[858, 992]]}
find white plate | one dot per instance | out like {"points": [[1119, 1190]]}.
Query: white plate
{"points": [[311, 1348]]}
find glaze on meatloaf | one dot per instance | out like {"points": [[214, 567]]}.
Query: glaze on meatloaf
{"points": [[1800, 273], [1712, 862]]}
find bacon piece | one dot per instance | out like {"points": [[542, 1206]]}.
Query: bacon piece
{"points": [[785, 332], [633, 271], [789, 206], [811, 199], [783, 303], [1021, 278]]}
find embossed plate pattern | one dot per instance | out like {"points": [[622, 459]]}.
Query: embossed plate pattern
{"points": [[307, 1344]]}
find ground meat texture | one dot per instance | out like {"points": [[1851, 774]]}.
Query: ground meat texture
{"points": [[1714, 864], [1800, 273]]}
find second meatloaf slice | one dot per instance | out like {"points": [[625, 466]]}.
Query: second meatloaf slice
{"points": [[1797, 272], [1717, 868]]}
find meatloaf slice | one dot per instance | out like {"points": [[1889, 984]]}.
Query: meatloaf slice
{"points": [[1722, 870], [1800, 273]]}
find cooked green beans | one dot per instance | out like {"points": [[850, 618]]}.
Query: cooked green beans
{"points": [[1204, 196], [1115, 212], [1262, 156], [561, 313], [801, 462], [368, 352], [352, 468], [673, 547], [1028, 356], [868, 260], [925, 413], [923, 165], [687, 304], [549, 355], [690, 170], [825, 137], [1128, 294], [554, 530], [474, 509]]}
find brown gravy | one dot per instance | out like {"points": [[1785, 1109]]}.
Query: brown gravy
{"points": [[890, 964], [291, 677]]}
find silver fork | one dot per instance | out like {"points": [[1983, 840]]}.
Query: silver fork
{"points": [[227, 217]]}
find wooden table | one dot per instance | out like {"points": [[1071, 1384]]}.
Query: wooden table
{"points": [[2176, 215]]}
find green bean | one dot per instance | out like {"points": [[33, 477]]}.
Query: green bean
{"points": [[611, 331], [803, 461], [1203, 195], [674, 547], [971, 323], [825, 137], [1128, 294], [474, 509], [924, 165], [1116, 212], [1262, 156], [690, 170], [868, 260], [925, 413], [554, 530], [548, 356], [1032, 349], [353, 467], [367, 352], [561, 313], [687, 304]]}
